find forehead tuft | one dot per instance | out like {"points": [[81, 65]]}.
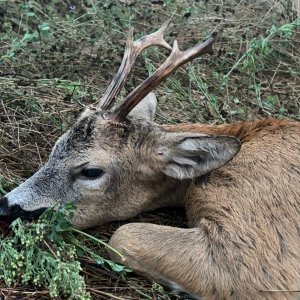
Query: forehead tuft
{"points": [[79, 136], [93, 129], [83, 130]]}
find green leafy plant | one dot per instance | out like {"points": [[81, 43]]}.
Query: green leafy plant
{"points": [[5, 184], [17, 45], [46, 254], [262, 46]]}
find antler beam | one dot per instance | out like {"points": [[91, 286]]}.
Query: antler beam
{"points": [[172, 63], [133, 49]]}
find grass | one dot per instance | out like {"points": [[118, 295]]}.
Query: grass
{"points": [[56, 57]]}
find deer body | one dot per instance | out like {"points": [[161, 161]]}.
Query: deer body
{"points": [[238, 183], [244, 217]]}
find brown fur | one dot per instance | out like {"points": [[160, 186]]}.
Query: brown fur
{"points": [[245, 131], [245, 222]]}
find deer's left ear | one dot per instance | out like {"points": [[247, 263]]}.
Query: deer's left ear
{"points": [[145, 109], [185, 155]]}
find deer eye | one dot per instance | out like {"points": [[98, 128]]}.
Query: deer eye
{"points": [[91, 173]]}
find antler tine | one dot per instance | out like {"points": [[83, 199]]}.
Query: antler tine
{"points": [[172, 63], [133, 49]]}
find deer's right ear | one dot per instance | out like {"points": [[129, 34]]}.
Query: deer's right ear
{"points": [[145, 109], [185, 156]]}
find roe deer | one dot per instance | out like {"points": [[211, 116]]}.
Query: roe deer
{"points": [[239, 185]]}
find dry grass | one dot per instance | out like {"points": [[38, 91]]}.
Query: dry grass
{"points": [[48, 78]]}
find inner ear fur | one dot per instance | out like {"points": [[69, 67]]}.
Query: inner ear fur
{"points": [[184, 156]]}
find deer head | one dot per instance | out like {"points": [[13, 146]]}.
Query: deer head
{"points": [[116, 163]]}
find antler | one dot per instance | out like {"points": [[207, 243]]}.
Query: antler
{"points": [[133, 49], [172, 63]]}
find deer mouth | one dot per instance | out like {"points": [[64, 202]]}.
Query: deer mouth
{"points": [[17, 212]]}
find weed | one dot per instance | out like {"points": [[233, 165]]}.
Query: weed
{"points": [[46, 253], [260, 47], [6, 185]]}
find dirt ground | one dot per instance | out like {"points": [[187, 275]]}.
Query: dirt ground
{"points": [[57, 57]]}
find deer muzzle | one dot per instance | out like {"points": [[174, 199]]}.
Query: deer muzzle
{"points": [[10, 213]]}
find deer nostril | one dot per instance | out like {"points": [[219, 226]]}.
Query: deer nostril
{"points": [[5, 210]]}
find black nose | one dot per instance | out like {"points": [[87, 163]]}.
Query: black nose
{"points": [[9, 214], [5, 210]]}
